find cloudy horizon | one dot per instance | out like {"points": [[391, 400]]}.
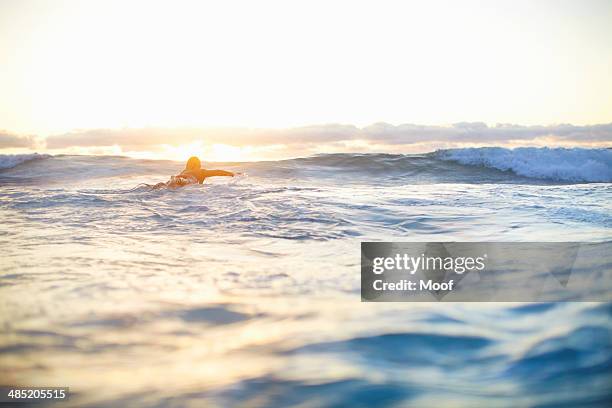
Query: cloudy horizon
{"points": [[255, 144], [267, 79]]}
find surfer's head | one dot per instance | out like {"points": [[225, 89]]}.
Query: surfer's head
{"points": [[193, 164]]}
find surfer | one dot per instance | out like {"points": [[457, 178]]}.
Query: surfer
{"points": [[193, 174]]}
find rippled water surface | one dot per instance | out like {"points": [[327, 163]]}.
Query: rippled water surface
{"points": [[245, 291]]}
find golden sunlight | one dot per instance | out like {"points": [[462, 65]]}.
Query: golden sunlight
{"points": [[181, 152], [85, 65]]}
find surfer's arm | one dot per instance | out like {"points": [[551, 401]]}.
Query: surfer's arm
{"points": [[213, 173]]}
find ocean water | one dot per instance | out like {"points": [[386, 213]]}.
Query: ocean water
{"points": [[244, 291]]}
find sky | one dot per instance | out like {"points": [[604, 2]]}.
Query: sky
{"points": [[240, 79]]}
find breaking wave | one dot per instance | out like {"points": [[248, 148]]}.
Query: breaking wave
{"points": [[468, 165], [574, 165], [8, 161]]}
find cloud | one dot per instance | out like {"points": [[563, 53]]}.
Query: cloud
{"points": [[382, 133], [143, 137], [478, 132], [307, 140], [11, 140]]}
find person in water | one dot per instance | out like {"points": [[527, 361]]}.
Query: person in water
{"points": [[193, 174]]}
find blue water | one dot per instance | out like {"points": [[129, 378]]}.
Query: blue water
{"points": [[245, 291]]}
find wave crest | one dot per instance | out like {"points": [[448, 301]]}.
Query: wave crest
{"points": [[468, 165], [575, 165], [8, 161]]}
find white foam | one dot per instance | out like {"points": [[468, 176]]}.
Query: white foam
{"points": [[8, 161], [590, 165]]}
